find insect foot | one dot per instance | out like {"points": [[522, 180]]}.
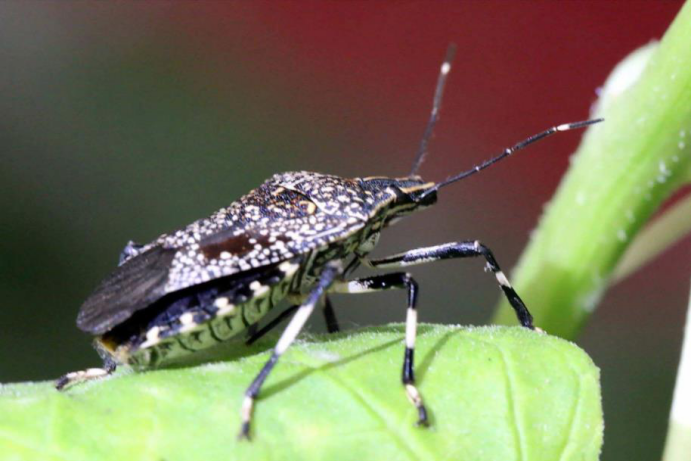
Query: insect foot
{"points": [[414, 396], [89, 374], [289, 335]]}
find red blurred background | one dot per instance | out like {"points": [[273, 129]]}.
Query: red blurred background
{"points": [[125, 120]]}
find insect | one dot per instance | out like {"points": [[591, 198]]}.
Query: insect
{"points": [[297, 237]]}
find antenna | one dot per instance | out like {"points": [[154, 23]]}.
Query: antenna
{"points": [[437, 102], [509, 151]]}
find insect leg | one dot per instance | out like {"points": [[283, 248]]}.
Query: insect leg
{"points": [[252, 330], [286, 339], [330, 316], [271, 325], [109, 366], [454, 250], [397, 280]]}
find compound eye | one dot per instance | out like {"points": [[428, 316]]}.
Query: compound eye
{"points": [[307, 207]]}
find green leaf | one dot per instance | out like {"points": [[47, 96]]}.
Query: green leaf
{"points": [[494, 393], [623, 171]]}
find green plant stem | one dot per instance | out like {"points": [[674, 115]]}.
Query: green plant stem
{"points": [[678, 438], [622, 172], [662, 233]]}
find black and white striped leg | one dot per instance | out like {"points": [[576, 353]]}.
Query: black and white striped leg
{"points": [[64, 381], [329, 318], [465, 249], [286, 339], [256, 335], [397, 280]]}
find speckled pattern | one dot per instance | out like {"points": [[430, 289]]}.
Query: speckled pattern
{"points": [[290, 214], [206, 317], [289, 227]]}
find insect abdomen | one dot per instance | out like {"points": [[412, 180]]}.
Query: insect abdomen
{"points": [[177, 331]]}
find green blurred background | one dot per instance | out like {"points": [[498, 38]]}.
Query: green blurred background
{"points": [[122, 120]]}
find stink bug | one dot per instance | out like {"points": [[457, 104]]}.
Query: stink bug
{"points": [[297, 237]]}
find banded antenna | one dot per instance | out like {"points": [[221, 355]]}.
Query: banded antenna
{"points": [[510, 150], [437, 102]]}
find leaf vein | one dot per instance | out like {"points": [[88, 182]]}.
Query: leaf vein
{"points": [[512, 404]]}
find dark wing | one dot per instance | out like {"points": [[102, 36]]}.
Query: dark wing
{"points": [[270, 225], [131, 287]]}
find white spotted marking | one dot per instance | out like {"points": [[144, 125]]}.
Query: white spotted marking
{"points": [[153, 334], [446, 67], [353, 287], [411, 323], [225, 307], [188, 327], [288, 267], [90, 373], [410, 262], [502, 280], [187, 318], [152, 338], [258, 289], [221, 302], [413, 394], [227, 310]]}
